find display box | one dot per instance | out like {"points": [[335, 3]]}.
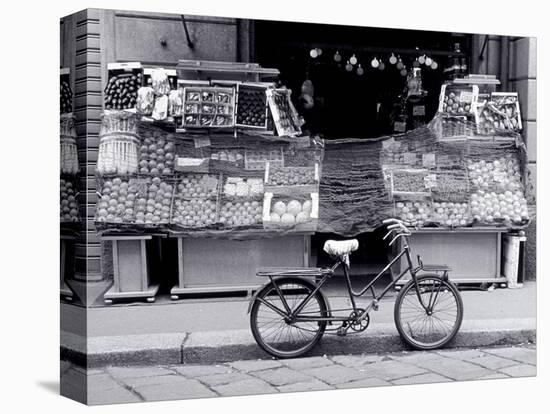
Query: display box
{"points": [[123, 82], [296, 212], [208, 107]]}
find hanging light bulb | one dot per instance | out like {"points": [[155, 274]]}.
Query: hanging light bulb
{"points": [[393, 59], [416, 63], [353, 60], [337, 57], [381, 66], [434, 65], [403, 71], [349, 66], [375, 63], [429, 61], [400, 64], [319, 51], [360, 70], [422, 59], [313, 53]]}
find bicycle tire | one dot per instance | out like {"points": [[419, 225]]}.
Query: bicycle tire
{"points": [[282, 349], [451, 300]]}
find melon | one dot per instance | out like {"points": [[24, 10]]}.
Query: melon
{"points": [[306, 206], [287, 219], [302, 217], [294, 207], [279, 208]]}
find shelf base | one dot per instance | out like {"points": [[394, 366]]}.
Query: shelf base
{"points": [[148, 294]]}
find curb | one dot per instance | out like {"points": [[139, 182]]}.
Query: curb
{"points": [[224, 346]]}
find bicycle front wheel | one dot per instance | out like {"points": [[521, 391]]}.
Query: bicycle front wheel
{"points": [[430, 317], [274, 332]]}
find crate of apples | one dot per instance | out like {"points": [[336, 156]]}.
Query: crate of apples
{"points": [[194, 213], [197, 186], [451, 214], [157, 155], [241, 213], [117, 202]]}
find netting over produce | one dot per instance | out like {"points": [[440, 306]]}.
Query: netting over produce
{"points": [[250, 186]]}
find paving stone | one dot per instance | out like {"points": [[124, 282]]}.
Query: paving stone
{"points": [[364, 383], [117, 395], [193, 371], [282, 376], [181, 389], [464, 354], [158, 380], [246, 387], [313, 385], [390, 370], [524, 370], [306, 363], [496, 375], [525, 355], [352, 361], [452, 368], [493, 362], [335, 374], [95, 371], [101, 382], [138, 372], [220, 379], [417, 358], [255, 365], [428, 378]]}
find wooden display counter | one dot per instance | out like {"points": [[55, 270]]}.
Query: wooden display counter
{"points": [[130, 268], [207, 265], [474, 253]]}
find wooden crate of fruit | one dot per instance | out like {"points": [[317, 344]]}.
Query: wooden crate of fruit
{"points": [[256, 160], [290, 180], [458, 100], [291, 213], [196, 202], [65, 91], [285, 117], [124, 80], [251, 106]]}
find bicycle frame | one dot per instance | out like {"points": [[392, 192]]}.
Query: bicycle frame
{"points": [[293, 316]]}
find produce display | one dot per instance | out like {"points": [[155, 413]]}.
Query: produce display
{"points": [[453, 127], [451, 186], [241, 213], [156, 154], [208, 107], [458, 100], [501, 174], [287, 212], [197, 186], [257, 159], [68, 205], [243, 187], [121, 91], [69, 156], [235, 156], [252, 106], [492, 207], [118, 154], [409, 181], [196, 212], [292, 176], [451, 214], [118, 199], [508, 102], [413, 213], [284, 114], [145, 100], [65, 97]]}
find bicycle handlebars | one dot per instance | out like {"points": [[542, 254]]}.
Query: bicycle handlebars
{"points": [[395, 225]]}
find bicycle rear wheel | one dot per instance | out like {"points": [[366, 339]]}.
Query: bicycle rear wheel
{"points": [[435, 321], [273, 332]]}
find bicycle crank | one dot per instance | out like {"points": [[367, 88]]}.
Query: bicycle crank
{"points": [[359, 325]]}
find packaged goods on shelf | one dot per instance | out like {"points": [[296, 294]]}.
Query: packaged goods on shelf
{"points": [[208, 107], [121, 90], [68, 207]]}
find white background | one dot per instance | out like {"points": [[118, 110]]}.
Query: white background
{"points": [[29, 318]]}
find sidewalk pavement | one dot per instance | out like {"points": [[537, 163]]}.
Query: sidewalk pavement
{"points": [[207, 331], [265, 376]]}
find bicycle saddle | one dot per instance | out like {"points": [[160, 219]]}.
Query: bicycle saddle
{"points": [[341, 248]]}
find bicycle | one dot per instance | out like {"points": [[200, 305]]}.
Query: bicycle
{"points": [[290, 314]]}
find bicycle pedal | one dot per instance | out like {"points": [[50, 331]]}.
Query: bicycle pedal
{"points": [[341, 331]]}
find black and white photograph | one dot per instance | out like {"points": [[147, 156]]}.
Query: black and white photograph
{"points": [[274, 206], [260, 206]]}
